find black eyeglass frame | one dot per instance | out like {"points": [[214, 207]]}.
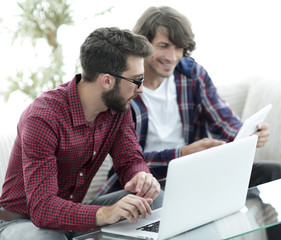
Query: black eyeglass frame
{"points": [[137, 82]]}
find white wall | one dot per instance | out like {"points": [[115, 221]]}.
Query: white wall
{"points": [[236, 39]]}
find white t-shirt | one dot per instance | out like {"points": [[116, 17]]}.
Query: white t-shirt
{"points": [[164, 125]]}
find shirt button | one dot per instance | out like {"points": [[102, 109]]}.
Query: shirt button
{"points": [[81, 174], [71, 196], [95, 152]]}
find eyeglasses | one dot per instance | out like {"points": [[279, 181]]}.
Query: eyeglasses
{"points": [[138, 81]]}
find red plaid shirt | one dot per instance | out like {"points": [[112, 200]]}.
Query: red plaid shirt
{"points": [[56, 154]]}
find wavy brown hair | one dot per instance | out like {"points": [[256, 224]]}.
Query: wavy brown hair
{"points": [[176, 25]]}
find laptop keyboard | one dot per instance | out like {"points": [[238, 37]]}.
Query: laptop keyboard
{"points": [[152, 227]]}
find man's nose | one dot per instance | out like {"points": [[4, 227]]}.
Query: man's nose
{"points": [[171, 55], [140, 89]]}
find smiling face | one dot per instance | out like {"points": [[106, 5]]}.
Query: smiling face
{"points": [[119, 97], [165, 57]]}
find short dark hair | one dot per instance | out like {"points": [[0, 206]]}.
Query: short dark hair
{"points": [[107, 50], [177, 26]]}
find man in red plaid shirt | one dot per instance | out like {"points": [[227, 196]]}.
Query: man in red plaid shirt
{"points": [[63, 138]]}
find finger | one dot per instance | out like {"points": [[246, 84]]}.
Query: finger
{"points": [[262, 137], [120, 210], [131, 207], [261, 144], [135, 213], [262, 126], [218, 142], [147, 203], [154, 190], [262, 141], [138, 205], [259, 126], [129, 186], [262, 133], [140, 180], [125, 214], [141, 207], [155, 194], [147, 184]]}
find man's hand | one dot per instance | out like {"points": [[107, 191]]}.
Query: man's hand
{"points": [[262, 133], [129, 207], [144, 185], [200, 145]]}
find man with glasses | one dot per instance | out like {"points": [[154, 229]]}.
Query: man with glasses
{"points": [[63, 138]]}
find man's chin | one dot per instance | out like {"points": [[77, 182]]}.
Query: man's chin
{"points": [[120, 109], [166, 74]]}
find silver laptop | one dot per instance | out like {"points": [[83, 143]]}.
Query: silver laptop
{"points": [[200, 188]]}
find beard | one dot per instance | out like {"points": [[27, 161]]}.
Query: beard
{"points": [[113, 99]]}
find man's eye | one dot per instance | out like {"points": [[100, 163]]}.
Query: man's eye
{"points": [[140, 78]]}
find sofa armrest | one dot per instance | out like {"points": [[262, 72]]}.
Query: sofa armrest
{"points": [[6, 144], [261, 93]]}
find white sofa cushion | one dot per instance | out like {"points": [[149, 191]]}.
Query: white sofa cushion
{"points": [[99, 179], [6, 144]]}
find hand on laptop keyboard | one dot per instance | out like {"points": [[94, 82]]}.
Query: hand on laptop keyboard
{"points": [[129, 207]]}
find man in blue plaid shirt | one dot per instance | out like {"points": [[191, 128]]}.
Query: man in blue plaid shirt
{"points": [[180, 111]]}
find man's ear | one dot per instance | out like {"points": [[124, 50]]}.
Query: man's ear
{"points": [[106, 81]]}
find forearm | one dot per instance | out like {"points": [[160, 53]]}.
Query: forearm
{"points": [[161, 158], [127, 156], [56, 213], [48, 210]]}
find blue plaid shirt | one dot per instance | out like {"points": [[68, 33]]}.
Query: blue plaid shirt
{"points": [[202, 112]]}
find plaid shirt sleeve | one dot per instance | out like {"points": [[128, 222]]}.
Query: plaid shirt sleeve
{"points": [[215, 115], [125, 149], [127, 129]]}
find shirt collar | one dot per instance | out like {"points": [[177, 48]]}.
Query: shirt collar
{"points": [[78, 116]]}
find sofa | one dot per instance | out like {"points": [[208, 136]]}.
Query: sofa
{"points": [[245, 98]]}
